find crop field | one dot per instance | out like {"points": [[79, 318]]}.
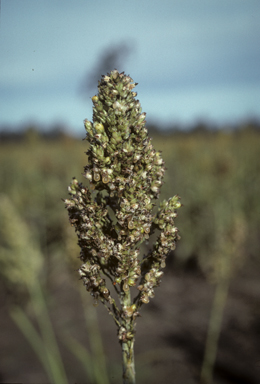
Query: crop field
{"points": [[217, 175]]}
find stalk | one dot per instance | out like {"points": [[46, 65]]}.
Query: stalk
{"points": [[214, 330], [127, 345], [231, 248], [128, 362], [97, 352], [48, 335]]}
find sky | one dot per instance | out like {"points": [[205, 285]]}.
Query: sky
{"points": [[193, 60]]}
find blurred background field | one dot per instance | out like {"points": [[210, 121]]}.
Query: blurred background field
{"points": [[194, 61], [217, 175]]}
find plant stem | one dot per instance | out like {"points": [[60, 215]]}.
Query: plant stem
{"points": [[128, 345], [97, 351], [48, 334], [214, 329], [45, 346], [23, 322], [128, 362]]}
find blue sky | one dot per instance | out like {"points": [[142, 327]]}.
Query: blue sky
{"points": [[192, 59]]}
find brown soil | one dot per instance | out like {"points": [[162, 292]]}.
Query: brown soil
{"points": [[170, 334]]}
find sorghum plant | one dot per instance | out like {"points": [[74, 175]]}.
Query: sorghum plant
{"points": [[115, 213]]}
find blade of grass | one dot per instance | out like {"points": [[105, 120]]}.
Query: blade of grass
{"points": [[96, 345], [48, 335], [26, 327], [82, 354], [214, 329]]}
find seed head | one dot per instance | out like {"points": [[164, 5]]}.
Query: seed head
{"points": [[114, 214]]}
